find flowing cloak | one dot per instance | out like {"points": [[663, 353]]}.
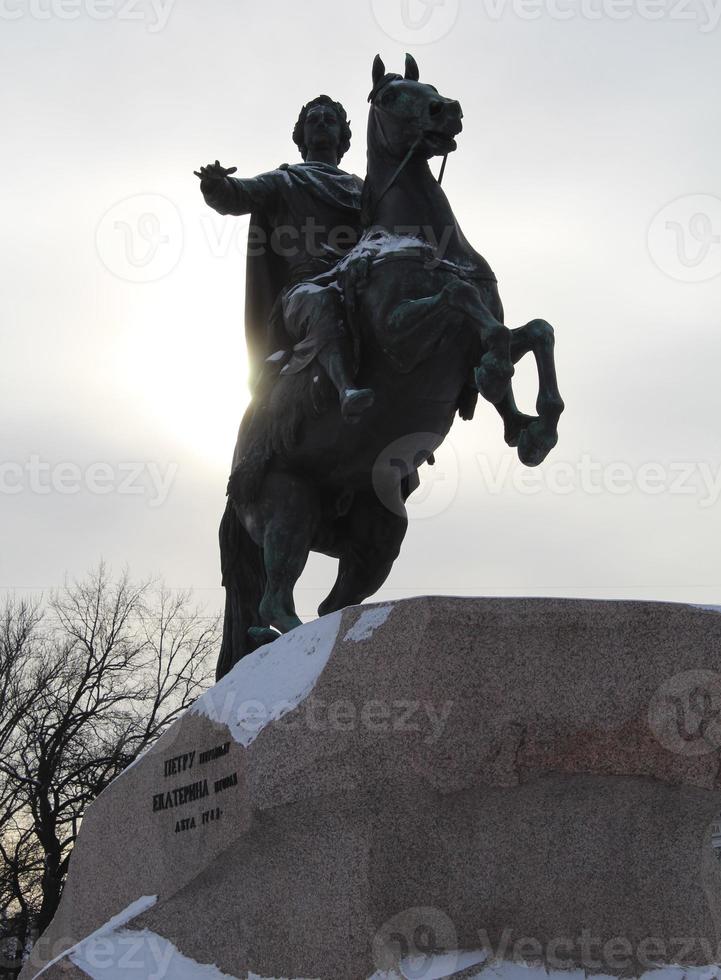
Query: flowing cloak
{"points": [[287, 198]]}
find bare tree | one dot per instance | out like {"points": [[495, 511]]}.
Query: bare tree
{"points": [[86, 685]]}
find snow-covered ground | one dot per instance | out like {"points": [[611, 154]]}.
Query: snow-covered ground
{"points": [[123, 954], [108, 930], [129, 955], [115, 952]]}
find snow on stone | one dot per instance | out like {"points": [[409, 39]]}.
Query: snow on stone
{"points": [[368, 622], [508, 970], [448, 965], [127, 955], [440, 966], [272, 681], [436, 967], [117, 922], [116, 953], [255, 976]]}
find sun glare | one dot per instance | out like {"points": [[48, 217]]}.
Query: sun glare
{"points": [[190, 377]]}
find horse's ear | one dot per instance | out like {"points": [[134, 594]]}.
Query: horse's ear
{"points": [[379, 70], [412, 70]]}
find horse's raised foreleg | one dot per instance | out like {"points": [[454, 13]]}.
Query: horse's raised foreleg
{"points": [[535, 437], [372, 542], [462, 301], [493, 375], [412, 313], [514, 420], [289, 514]]}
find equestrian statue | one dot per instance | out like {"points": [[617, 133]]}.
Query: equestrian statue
{"points": [[370, 323]]}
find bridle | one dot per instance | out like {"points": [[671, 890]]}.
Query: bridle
{"points": [[377, 89]]}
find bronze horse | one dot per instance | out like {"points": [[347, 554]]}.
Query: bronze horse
{"points": [[431, 334]]}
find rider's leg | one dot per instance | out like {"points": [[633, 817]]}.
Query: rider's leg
{"points": [[336, 356], [315, 317]]}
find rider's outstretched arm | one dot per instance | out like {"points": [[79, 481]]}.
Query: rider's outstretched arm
{"points": [[235, 195]]}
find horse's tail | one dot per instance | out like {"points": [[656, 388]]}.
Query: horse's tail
{"points": [[243, 572]]}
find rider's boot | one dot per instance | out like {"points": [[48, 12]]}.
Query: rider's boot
{"points": [[353, 401]]}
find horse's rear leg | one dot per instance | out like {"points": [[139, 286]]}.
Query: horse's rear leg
{"points": [[241, 563], [372, 544], [291, 512], [535, 437]]}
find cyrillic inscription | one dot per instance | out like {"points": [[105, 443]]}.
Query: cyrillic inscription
{"points": [[226, 782], [179, 763], [216, 753], [180, 795], [192, 792]]}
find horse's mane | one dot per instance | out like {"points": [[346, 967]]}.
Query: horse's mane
{"points": [[367, 205], [389, 76]]}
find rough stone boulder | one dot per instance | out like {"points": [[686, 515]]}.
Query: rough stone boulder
{"points": [[425, 788]]}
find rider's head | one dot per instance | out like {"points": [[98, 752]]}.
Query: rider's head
{"points": [[322, 130]]}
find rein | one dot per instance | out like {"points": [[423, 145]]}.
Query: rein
{"points": [[404, 162], [443, 170], [395, 176]]}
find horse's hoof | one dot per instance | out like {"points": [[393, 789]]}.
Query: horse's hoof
{"points": [[493, 377], [514, 427], [260, 635], [535, 443]]}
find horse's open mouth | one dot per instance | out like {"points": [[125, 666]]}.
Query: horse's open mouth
{"points": [[440, 142]]}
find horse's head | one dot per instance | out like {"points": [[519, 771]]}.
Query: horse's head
{"points": [[407, 114]]}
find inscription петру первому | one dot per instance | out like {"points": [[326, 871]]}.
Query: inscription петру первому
{"points": [[179, 763]]}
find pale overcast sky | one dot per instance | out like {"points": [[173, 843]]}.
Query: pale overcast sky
{"points": [[588, 175]]}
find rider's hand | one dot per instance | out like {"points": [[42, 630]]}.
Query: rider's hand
{"points": [[357, 274], [213, 174]]}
